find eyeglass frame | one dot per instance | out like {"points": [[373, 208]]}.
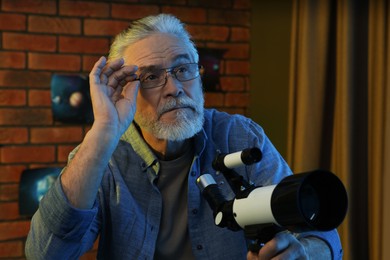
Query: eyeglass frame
{"points": [[171, 70]]}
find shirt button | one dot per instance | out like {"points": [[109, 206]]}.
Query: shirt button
{"points": [[143, 167], [199, 247], [194, 211]]}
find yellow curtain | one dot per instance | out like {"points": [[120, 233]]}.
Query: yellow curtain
{"points": [[338, 115], [379, 129]]}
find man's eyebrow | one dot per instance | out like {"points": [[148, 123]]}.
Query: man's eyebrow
{"points": [[181, 57], [148, 68]]}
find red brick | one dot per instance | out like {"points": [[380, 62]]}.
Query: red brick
{"points": [[13, 230], [233, 50], [39, 98], [27, 154], [237, 68], [85, 9], [239, 34], [236, 99], [187, 14], [132, 1], [13, 135], [232, 83], [173, 2], [12, 59], [9, 192], [31, 116], [9, 211], [45, 165], [29, 6], [229, 17], [12, 97], [214, 99], [25, 78], [11, 173], [54, 25], [222, 66], [54, 62], [29, 42], [56, 135], [133, 12], [208, 33], [211, 4], [104, 27], [242, 4], [15, 22], [83, 45], [11, 249], [247, 84], [63, 152], [201, 44], [89, 61]]}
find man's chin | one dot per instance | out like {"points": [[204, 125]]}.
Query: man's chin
{"points": [[179, 130], [173, 115], [175, 125]]}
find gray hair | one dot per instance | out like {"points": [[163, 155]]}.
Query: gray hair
{"points": [[142, 28]]}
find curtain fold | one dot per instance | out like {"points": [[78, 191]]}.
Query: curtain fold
{"points": [[339, 111], [379, 130], [308, 77]]}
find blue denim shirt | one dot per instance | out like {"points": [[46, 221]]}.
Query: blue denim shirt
{"points": [[128, 207]]}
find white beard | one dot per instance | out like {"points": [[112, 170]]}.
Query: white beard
{"points": [[188, 123]]}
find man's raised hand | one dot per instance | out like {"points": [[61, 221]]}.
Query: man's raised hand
{"points": [[113, 92]]}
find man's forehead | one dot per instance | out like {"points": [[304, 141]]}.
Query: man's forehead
{"points": [[177, 60], [158, 50]]}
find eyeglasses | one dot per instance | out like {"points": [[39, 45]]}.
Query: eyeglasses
{"points": [[158, 77]]}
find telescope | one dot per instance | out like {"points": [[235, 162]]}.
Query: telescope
{"points": [[310, 201]]}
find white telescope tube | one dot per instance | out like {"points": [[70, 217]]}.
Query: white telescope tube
{"points": [[248, 156], [256, 208], [233, 160]]}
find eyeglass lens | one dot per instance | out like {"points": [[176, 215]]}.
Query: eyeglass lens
{"points": [[157, 78]]}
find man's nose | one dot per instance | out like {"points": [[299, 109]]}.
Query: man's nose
{"points": [[173, 87]]}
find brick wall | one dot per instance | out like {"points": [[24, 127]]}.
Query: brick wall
{"points": [[39, 38]]}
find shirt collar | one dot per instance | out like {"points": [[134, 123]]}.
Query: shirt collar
{"points": [[134, 138]]}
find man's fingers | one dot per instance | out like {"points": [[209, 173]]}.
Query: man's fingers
{"points": [[112, 78], [126, 105], [128, 79], [283, 244], [130, 91], [112, 74], [94, 75], [122, 76], [112, 66]]}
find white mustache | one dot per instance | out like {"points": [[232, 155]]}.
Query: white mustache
{"points": [[175, 103]]}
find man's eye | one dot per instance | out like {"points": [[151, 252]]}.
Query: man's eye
{"points": [[149, 77], [182, 69]]}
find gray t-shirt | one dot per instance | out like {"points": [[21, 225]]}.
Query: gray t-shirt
{"points": [[173, 240]]}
